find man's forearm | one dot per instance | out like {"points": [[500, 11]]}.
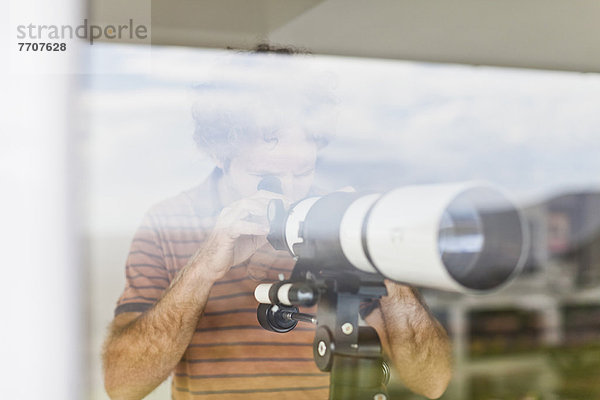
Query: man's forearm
{"points": [[418, 344], [140, 355]]}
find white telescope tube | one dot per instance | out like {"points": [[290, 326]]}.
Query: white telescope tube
{"points": [[466, 237]]}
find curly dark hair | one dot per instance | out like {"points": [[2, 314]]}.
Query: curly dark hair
{"points": [[268, 92], [278, 49]]}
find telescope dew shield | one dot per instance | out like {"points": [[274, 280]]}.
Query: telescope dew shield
{"points": [[460, 237]]}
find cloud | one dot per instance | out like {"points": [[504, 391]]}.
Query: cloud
{"points": [[531, 131]]}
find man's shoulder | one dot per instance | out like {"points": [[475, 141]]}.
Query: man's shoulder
{"points": [[179, 204], [198, 201]]}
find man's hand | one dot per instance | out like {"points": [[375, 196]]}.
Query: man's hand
{"points": [[414, 340], [241, 228]]}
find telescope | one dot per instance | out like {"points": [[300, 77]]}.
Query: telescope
{"points": [[462, 237]]}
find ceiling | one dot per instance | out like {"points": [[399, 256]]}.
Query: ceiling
{"points": [[544, 34]]}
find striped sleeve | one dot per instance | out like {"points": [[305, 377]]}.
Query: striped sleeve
{"points": [[146, 274]]}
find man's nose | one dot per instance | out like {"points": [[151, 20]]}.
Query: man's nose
{"points": [[287, 185]]}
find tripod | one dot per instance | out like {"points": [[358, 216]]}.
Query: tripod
{"points": [[351, 353]]}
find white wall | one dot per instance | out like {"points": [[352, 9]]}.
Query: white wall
{"points": [[41, 346]]}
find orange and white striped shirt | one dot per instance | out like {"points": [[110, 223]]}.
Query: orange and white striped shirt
{"points": [[230, 356]]}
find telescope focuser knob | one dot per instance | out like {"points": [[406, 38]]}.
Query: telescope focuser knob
{"points": [[276, 215]]}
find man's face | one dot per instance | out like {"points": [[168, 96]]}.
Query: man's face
{"points": [[292, 159]]}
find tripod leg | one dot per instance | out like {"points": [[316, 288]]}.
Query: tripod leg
{"points": [[357, 378], [360, 375]]}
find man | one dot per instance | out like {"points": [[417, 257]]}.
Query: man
{"points": [[188, 307]]}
